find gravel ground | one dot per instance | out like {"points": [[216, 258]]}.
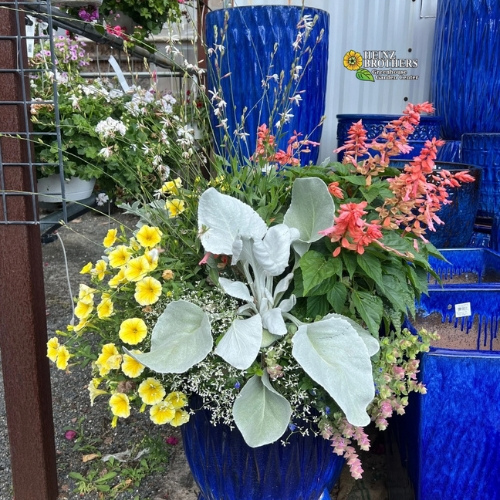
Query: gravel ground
{"points": [[82, 240]]}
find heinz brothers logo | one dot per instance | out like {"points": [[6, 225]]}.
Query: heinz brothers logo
{"points": [[379, 65]]}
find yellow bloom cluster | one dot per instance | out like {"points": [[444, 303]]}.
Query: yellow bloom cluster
{"points": [[58, 354]]}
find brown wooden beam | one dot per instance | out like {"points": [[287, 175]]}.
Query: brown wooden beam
{"points": [[23, 330]]}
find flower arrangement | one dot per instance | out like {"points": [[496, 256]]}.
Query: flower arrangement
{"points": [[127, 139], [294, 306]]}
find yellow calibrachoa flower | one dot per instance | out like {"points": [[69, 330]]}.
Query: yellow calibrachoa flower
{"points": [[82, 324], [353, 60], [175, 207], [137, 268], [147, 291], [162, 413], [105, 308], [151, 391], [172, 187], [132, 331], [131, 367], [109, 359], [177, 399], [86, 268], [118, 278], [110, 238], [86, 294], [52, 348], [83, 309], [149, 236], [180, 417], [100, 269], [120, 405], [152, 257], [94, 390], [120, 256], [63, 356], [134, 244]]}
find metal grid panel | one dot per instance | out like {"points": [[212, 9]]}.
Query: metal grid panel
{"points": [[18, 75]]}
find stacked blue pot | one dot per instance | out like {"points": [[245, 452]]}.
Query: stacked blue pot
{"points": [[449, 438]]}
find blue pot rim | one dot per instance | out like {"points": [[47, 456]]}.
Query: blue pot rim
{"points": [[464, 353], [385, 117], [493, 135], [269, 7]]}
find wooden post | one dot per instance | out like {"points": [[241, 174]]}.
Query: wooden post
{"points": [[23, 330]]}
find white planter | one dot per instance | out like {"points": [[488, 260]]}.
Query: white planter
{"points": [[75, 189]]}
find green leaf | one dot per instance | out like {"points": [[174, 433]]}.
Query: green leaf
{"points": [[181, 338], [358, 180], [364, 75], [316, 269], [332, 353], [317, 306], [261, 414], [396, 291], [370, 265], [370, 308], [350, 262], [337, 297]]}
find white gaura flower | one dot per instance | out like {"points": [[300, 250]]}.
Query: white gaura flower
{"points": [[187, 134], [109, 127]]}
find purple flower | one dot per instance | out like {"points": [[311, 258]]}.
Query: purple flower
{"points": [[70, 435], [237, 385]]}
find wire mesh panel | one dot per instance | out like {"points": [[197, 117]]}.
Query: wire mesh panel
{"points": [[18, 204]]}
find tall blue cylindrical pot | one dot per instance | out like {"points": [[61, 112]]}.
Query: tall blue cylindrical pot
{"points": [[226, 468], [465, 66], [258, 43]]}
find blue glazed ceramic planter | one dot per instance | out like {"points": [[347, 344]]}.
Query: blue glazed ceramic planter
{"points": [[226, 468], [465, 66], [428, 128], [250, 35], [450, 152], [458, 216], [449, 438]]}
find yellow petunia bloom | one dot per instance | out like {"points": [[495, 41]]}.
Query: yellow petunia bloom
{"points": [[151, 391], [118, 279], [109, 359], [120, 405], [148, 236], [180, 417], [105, 308], [131, 367], [100, 269], [175, 207], [83, 310], [162, 413], [110, 238], [52, 348], [152, 257], [147, 291], [177, 399], [94, 390], [86, 268], [82, 324], [132, 331], [86, 294], [120, 256], [172, 187], [63, 356], [353, 60], [137, 268], [134, 244]]}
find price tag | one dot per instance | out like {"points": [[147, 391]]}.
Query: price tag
{"points": [[462, 310], [30, 32]]}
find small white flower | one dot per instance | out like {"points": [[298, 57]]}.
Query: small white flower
{"points": [[106, 152], [101, 199], [296, 99]]}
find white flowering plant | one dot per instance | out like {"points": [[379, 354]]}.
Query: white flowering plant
{"points": [[129, 141]]}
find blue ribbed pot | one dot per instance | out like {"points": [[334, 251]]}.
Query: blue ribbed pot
{"points": [[226, 468], [251, 35], [459, 215], [450, 152], [428, 128], [465, 66], [449, 438]]}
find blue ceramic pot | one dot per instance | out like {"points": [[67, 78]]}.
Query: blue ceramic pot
{"points": [[465, 66], [251, 35], [449, 438], [450, 152], [226, 468], [458, 216], [428, 128]]}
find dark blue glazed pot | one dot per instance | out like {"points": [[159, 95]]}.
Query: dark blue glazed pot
{"points": [[449, 438], [459, 215], [428, 128], [251, 35], [465, 66], [450, 152], [226, 468]]}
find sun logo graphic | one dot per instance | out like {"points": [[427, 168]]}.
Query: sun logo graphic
{"points": [[353, 61]]}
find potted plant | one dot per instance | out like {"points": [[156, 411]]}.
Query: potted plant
{"points": [[276, 330]]}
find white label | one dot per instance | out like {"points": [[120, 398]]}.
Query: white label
{"points": [[462, 310], [119, 74], [30, 31]]}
